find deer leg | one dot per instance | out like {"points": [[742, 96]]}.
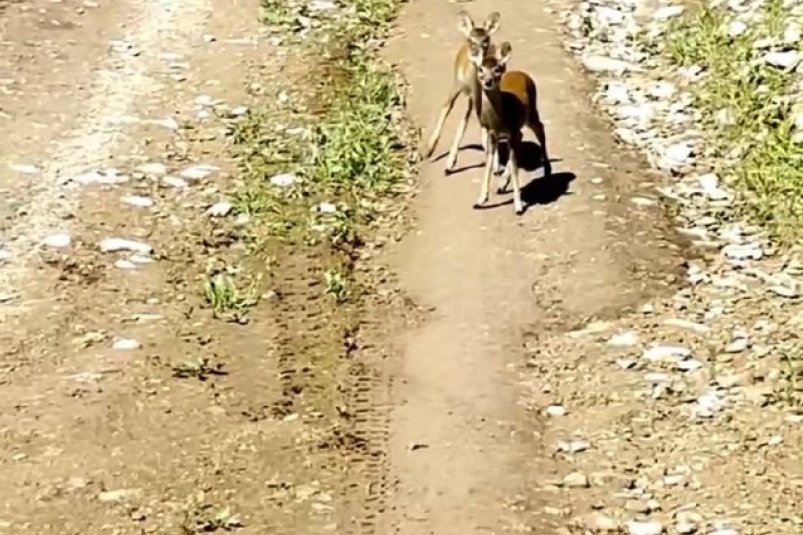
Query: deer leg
{"points": [[458, 138], [485, 184], [538, 129], [514, 173], [446, 109]]}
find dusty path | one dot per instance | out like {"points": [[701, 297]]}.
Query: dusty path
{"points": [[583, 249]]}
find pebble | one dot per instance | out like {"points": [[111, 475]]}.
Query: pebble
{"points": [[120, 244], [283, 180], [199, 172], [576, 480], [57, 241], [120, 495], [736, 28], [624, 339], [174, 182], [138, 201], [686, 528], [4, 255], [635, 527], [125, 344], [153, 168], [666, 352], [556, 411], [668, 12], [600, 64], [25, 169], [573, 446], [784, 60], [601, 523], [220, 209]]}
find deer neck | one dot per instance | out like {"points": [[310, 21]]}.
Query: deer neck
{"points": [[489, 107]]}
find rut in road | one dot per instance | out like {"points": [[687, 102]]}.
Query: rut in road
{"points": [[491, 276]]}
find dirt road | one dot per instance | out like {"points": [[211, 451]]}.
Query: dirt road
{"points": [[582, 250], [127, 407]]}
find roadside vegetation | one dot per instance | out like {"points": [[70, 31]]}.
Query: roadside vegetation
{"points": [[748, 94]]}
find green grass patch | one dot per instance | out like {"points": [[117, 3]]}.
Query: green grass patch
{"points": [[745, 108], [344, 142]]}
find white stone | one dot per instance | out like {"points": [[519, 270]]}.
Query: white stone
{"points": [[635, 527], [283, 180], [4, 255], [138, 201], [175, 182], [783, 60], [120, 244], [624, 339], [153, 168], [668, 12], [220, 209], [556, 411], [25, 169], [736, 28], [689, 365], [666, 352], [573, 446], [595, 63], [327, 208], [57, 241], [126, 344], [199, 172]]}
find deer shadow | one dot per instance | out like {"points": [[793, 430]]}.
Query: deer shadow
{"points": [[540, 190]]}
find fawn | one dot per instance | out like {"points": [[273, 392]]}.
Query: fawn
{"points": [[476, 47], [506, 102]]}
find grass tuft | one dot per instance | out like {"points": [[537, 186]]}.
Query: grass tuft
{"points": [[346, 144], [746, 106]]}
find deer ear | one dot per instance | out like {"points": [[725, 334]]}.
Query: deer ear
{"points": [[464, 22], [492, 23], [504, 53]]}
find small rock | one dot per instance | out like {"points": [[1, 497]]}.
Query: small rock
{"points": [[573, 446], [120, 244], [327, 208], [138, 201], [736, 28], [4, 255], [635, 527], [783, 60], [686, 528], [125, 264], [576, 480], [57, 241], [556, 411], [689, 365], [666, 352], [239, 111], [25, 169], [153, 169], [126, 344], [737, 346], [220, 209], [174, 182], [667, 12], [120, 495], [601, 523], [596, 63], [283, 180], [199, 172], [624, 339]]}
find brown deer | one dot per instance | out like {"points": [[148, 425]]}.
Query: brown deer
{"points": [[476, 46], [506, 102]]}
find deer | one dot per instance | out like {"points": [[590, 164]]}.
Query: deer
{"points": [[476, 46], [506, 101]]}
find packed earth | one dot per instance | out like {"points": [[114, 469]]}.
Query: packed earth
{"points": [[236, 297]]}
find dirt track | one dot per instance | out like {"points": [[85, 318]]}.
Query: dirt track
{"points": [[444, 429]]}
